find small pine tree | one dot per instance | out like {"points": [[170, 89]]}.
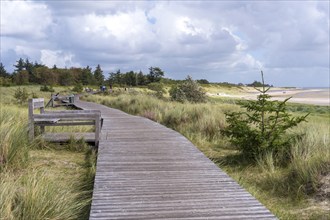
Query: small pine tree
{"points": [[21, 95], [262, 127]]}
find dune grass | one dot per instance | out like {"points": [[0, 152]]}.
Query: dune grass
{"points": [[288, 191], [14, 145], [40, 180]]}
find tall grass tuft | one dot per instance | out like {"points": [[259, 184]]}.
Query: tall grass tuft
{"points": [[14, 140], [87, 181], [310, 157], [7, 196], [36, 196]]}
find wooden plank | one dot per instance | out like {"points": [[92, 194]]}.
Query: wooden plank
{"points": [[37, 103], [65, 137], [30, 120], [72, 111], [80, 116], [97, 129], [46, 121], [147, 171], [49, 123]]}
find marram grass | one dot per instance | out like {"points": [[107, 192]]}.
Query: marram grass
{"points": [[14, 140], [37, 196]]}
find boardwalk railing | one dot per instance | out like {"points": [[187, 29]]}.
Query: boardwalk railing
{"points": [[61, 118], [61, 100]]}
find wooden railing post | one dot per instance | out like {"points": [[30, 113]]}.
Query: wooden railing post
{"points": [[97, 128], [31, 122], [42, 128]]}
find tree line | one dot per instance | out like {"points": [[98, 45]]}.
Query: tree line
{"points": [[27, 72]]}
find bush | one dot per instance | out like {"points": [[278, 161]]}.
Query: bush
{"points": [[78, 88], [189, 90], [21, 95], [45, 88], [5, 81], [262, 128], [158, 88]]}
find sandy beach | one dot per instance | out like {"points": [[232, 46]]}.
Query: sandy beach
{"points": [[304, 96]]}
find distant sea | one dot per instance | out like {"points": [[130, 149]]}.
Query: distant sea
{"points": [[315, 88]]}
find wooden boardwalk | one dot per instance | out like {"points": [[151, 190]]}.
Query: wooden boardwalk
{"points": [[147, 171]]}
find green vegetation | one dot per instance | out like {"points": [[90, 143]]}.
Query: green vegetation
{"points": [[291, 191], [78, 88], [262, 128], [21, 95], [46, 88], [29, 73], [189, 90], [40, 180], [158, 88], [296, 189]]}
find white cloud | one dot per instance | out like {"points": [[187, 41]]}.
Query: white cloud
{"points": [[58, 58], [225, 41], [24, 19]]}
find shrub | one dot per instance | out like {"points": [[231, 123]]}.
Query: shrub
{"points": [[78, 88], [189, 90], [5, 81], [262, 128], [21, 95], [45, 88], [158, 88]]}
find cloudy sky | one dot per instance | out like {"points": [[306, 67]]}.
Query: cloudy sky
{"points": [[222, 41]]}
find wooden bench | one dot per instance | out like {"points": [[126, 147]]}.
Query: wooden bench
{"points": [[62, 118]]}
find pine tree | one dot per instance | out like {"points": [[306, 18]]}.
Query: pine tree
{"points": [[19, 65], [3, 72], [98, 75], [262, 128], [155, 74], [87, 76], [141, 79]]}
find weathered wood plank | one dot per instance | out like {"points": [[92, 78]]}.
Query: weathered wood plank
{"points": [[147, 171], [65, 137], [73, 116]]}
